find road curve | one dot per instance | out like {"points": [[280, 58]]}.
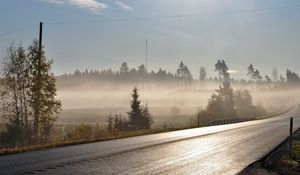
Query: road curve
{"points": [[225, 149]]}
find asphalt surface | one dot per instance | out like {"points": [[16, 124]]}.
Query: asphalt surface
{"points": [[225, 149]]}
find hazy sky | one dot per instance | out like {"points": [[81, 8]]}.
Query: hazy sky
{"points": [[239, 31]]}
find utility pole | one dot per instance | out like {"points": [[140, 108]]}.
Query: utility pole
{"points": [[40, 39], [38, 85]]}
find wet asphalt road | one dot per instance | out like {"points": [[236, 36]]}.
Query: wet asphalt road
{"points": [[216, 150]]}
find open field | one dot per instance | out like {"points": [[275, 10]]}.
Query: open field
{"points": [[170, 106], [161, 115]]}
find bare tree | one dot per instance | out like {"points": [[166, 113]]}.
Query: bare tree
{"points": [[15, 82], [29, 87]]}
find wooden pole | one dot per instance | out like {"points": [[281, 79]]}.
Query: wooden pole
{"points": [[38, 86]]}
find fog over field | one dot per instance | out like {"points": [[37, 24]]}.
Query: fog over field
{"points": [[169, 104]]}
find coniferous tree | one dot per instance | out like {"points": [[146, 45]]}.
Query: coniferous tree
{"points": [[147, 118], [222, 69], [142, 70], [184, 75], [202, 74], [292, 77], [250, 72], [282, 79], [268, 79], [139, 117], [188, 78], [221, 104], [124, 68], [180, 72], [226, 94], [119, 123], [257, 76], [135, 114], [110, 121], [243, 103]]}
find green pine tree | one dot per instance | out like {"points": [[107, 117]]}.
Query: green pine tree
{"points": [[147, 118], [135, 114]]}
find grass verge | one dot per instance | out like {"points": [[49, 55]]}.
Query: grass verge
{"points": [[118, 135], [278, 162]]}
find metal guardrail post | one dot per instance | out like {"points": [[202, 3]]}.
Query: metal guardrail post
{"points": [[291, 138], [198, 116]]}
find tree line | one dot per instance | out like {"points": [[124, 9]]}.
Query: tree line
{"points": [[182, 76], [129, 75]]}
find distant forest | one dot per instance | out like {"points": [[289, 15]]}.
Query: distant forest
{"points": [[182, 76]]}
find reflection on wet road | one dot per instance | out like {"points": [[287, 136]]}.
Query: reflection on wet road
{"points": [[211, 150]]}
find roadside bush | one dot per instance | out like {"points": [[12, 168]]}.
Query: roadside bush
{"points": [[81, 132], [99, 132]]}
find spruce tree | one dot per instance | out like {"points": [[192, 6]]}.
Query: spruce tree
{"points": [[147, 118], [135, 114]]}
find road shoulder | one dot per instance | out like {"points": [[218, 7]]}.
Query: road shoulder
{"points": [[278, 161]]}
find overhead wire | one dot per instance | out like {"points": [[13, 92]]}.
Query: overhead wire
{"points": [[18, 30], [173, 16], [150, 18]]}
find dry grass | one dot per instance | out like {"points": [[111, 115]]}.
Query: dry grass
{"points": [[105, 137]]}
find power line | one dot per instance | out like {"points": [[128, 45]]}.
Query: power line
{"points": [[254, 10], [18, 30], [173, 16]]}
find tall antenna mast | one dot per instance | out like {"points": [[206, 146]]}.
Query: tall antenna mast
{"points": [[146, 55]]}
